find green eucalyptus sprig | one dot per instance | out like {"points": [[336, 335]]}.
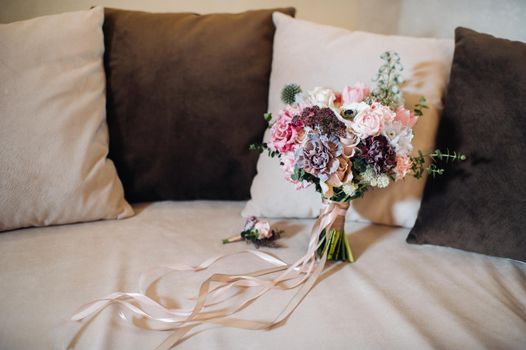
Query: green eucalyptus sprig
{"points": [[262, 147], [419, 162], [420, 106]]}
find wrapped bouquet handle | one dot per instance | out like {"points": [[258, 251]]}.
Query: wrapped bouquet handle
{"points": [[333, 238]]}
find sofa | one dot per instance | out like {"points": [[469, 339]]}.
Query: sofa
{"points": [[125, 141]]}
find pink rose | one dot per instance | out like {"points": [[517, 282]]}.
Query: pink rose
{"points": [[285, 135], [370, 121], [405, 116], [403, 166], [387, 114], [356, 93]]}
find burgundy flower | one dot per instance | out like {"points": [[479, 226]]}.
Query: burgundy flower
{"points": [[378, 153], [321, 119]]}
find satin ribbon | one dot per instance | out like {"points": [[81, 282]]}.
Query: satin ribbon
{"points": [[302, 274]]}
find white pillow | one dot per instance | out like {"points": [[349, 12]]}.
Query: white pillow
{"points": [[313, 55], [53, 132]]}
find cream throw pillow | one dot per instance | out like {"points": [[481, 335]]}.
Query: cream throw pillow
{"points": [[316, 55], [53, 132]]}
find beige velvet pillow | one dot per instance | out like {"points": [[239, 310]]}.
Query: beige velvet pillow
{"points": [[53, 132], [313, 55]]}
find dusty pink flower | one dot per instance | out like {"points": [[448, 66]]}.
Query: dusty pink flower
{"points": [[356, 93], [405, 116], [403, 166], [319, 156]]}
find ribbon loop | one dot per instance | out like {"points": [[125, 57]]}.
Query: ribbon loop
{"points": [[301, 274]]}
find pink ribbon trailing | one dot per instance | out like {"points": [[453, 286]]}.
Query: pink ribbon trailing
{"points": [[302, 274]]}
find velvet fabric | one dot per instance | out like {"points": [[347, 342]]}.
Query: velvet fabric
{"points": [[480, 204], [186, 97]]}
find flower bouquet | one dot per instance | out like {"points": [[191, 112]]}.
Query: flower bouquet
{"points": [[347, 142], [343, 143]]}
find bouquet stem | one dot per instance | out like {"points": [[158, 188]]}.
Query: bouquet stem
{"points": [[236, 238], [334, 241], [337, 246]]}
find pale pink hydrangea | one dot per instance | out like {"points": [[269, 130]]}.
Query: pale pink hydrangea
{"points": [[354, 94], [405, 116]]}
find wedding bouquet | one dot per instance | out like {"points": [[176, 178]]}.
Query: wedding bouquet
{"points": [[347, 142], [341, 142]]}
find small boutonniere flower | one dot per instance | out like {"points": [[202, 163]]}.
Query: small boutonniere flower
{"points": [[258, 232]]}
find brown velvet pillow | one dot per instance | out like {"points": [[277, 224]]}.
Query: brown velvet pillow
{"points": [[186, 95], [480, 205]]}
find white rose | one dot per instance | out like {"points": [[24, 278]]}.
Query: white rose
{"points": [[322, 97], [263, 228], [303, 100]]}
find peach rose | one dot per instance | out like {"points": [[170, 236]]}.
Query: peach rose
{"points": [[403, 166], [343, 174]]}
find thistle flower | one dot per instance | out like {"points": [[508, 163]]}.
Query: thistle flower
{"points": [[289, 92]]}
